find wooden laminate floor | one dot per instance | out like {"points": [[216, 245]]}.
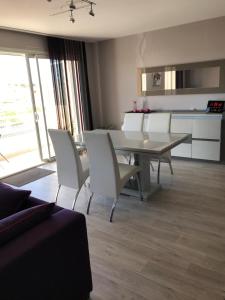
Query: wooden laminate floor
{"points": [[172, 247]]}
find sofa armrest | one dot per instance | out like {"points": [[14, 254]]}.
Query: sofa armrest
{"points": [[48, 262]]}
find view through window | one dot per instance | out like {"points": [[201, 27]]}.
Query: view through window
{"points": [[27, 110]]}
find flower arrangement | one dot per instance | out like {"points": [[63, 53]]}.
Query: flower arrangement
{"points": [[140, 110]]}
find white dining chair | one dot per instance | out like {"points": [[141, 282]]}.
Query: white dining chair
{"points": [[131, 122], [160, 122], [72, 168], [107, 176]]}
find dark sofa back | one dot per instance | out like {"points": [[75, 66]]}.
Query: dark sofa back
{"points": [[32, 201], [48, 262]]}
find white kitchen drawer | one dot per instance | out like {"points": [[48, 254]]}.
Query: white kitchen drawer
{"points": [[179, 125], [207, 129], [206, 150], [182, 150]]}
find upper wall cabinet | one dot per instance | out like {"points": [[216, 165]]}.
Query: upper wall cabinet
{"points": [[195, 78]]}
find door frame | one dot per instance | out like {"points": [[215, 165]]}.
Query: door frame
{"points": [[36, 116]]}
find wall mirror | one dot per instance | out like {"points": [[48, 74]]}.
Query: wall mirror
{"points": [[194, 78]]}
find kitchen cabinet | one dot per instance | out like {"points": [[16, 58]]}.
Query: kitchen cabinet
{"points": [[209, 150], [206, 135]]}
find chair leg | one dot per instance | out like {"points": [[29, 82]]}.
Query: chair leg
{"points": [[89, 203], [56, 198], [75, 199], [171, 168], [130, 157], [3, 156], [112, 210], [158, 175], [139, 186], [151, 165]]}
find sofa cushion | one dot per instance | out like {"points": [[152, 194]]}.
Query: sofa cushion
{"points": [[21, 221], [11, 200]]}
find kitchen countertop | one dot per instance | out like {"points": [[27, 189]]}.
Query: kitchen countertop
{"points": [[194, 111]]}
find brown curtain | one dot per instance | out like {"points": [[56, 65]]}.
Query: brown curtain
{"points": [[70, 80]]}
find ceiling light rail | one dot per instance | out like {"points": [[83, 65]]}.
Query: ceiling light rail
{"points": [[75, 5]]}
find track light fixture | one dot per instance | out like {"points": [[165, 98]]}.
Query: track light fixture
{"points": [[91, 12], [72, 19], [71, 7]]}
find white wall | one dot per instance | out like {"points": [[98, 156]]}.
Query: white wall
{"points": [[120, 58]]}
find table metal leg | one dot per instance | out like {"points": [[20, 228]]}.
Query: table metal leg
{"points": [[148, 188]]}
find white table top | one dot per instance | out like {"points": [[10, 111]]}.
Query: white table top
{"points": [[135, 141]]}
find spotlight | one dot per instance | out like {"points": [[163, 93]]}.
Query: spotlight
{"points": [[72, 6], [91, 13], [72, 19]]}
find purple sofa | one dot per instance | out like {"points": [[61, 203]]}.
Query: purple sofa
{"points": [[50, 261]]}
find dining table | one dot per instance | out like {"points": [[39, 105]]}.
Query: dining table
{"points": [[143, 145]]}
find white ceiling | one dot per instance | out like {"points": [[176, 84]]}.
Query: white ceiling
{"points": [[114, 18]]}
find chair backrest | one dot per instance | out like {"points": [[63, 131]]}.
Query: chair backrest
{"points": [[133, 122], [159, 122], [69, 166], [104, 171]]}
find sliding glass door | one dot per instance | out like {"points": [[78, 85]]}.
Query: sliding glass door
{"points": [[41, 86], [27, 110], [18, 136]]}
